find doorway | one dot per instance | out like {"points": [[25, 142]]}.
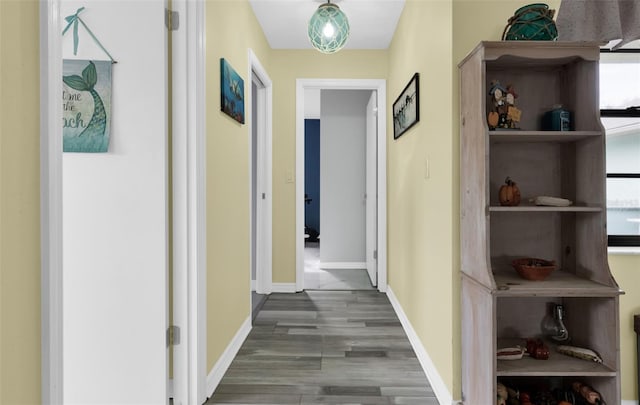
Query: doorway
{"points": [[129, 218], [336, 199], [260, 184], [377, 241], [257, 299], [111, 210]]}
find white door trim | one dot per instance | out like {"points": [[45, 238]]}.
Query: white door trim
{"points": [[371, 188], [380, 86], [264, 169], [51, 201], [189, 203]]}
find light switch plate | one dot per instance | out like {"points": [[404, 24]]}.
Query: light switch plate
{"points": [[426, 169]]}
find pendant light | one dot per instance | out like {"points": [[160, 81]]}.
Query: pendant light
{"points": [[328, 28]]}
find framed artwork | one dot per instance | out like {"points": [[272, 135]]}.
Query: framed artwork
{"points": [[406, 108], [86, 105], [231, 92]]}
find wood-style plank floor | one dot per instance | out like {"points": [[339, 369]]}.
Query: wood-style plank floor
{"points": [[326, 347]]}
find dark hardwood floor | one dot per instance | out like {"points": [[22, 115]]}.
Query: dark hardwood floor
{"points": [[326, 347]]}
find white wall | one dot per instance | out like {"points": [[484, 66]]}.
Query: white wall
{"points": [[115, 218], [312, 104], [342, 175]]}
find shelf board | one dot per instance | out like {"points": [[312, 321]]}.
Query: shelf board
{"points": [[558, 284], [556, 365], [541, 136], [524, 54], [543, 208]]}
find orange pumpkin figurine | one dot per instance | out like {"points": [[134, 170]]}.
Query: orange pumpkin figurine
{"points": [[492, 119], [509, 193]]}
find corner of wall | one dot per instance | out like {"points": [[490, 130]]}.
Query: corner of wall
{"points": [[20, 331], [435, 379], [224, 361]]}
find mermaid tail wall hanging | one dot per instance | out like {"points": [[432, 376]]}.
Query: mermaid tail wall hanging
{"points": [[86, 98]]}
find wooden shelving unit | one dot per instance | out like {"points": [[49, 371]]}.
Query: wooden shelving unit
{"points": [[499, 308]]}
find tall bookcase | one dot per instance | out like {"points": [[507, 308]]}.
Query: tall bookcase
{"points": [[499, 308]]}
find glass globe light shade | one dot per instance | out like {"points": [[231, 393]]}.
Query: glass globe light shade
{"points": [[328, 28]]}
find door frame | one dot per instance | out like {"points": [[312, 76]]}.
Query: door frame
{"points": [[371, 189], [189, 203], [264, 212], [380, 86], [51, 201]]}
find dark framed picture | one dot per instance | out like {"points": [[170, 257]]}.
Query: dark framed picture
{"points": [[231, 92], [406, 108]]}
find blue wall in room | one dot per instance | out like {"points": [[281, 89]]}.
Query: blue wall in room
{"points": [[312, 173]]}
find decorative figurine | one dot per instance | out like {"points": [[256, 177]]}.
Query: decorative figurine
{"points": [[501, 394], [503, 114], [537, 349]]}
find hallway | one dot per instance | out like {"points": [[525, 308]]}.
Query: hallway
{"points": [[326, 347]]}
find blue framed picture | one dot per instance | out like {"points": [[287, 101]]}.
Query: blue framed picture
{"points": [[231, 92]]}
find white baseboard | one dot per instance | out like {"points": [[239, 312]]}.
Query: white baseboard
{"points": [[253, 285], [343, 265], [439, 387], [629, 402], [223, 363], [283, 287], [170, 388]]}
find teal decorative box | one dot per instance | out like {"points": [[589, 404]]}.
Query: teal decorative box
{"points": [[557, 119]]}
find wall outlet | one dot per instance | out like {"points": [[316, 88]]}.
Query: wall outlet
{"points": [[289, 177]]}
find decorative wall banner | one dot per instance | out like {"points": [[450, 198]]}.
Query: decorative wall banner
{"points": [[231, 92], [86, 104]]}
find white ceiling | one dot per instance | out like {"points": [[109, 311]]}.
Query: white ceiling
{"points": [[284, 22]]}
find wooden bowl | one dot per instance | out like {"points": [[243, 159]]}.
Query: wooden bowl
{"points": [[534, 269]]}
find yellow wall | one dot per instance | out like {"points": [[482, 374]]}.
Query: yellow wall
{"points": [[19, 203], [286, 67], [231, 30], [423, 228], [421, 210]]}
